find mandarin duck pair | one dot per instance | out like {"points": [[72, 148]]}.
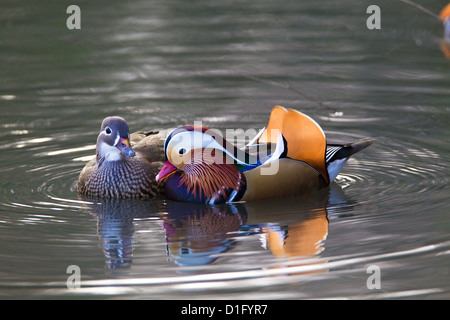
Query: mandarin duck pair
{"points": [[195, 164]]}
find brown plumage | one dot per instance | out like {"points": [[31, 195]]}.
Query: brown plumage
{"points": [[123, 168]]}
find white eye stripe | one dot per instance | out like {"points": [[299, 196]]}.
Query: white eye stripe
{"points": [[117, 139], [194, 140]]}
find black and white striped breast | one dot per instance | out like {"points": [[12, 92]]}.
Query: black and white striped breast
{"points": [[121, 179]]}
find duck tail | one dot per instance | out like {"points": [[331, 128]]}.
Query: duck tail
{"points": [[338, 154]]}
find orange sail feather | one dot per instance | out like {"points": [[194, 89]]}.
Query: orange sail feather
{"points": [[305, 139]]}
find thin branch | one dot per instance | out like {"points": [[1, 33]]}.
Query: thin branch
{"points": [[289, 87], [418, 6]]}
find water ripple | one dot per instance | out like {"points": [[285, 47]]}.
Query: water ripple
{"points": [[222, 282]]}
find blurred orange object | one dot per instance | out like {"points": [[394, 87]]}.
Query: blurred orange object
{"points": [[445, 43], [445, 12]]}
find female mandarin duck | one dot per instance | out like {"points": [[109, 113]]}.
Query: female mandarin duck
{"points": [[203, 167], [124, 166]]}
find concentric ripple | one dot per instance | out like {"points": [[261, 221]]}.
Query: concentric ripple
{"points": [[405, 169]]}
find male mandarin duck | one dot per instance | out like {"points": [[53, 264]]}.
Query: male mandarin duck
{"points": [[445, 16], [124, 166], [201, 166], [445, 44]]}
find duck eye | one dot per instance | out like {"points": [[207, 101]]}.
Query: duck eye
{"points": [[182, 151], [108, 130]]}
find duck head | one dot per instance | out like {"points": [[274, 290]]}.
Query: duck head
{"points": [[187, 146], [201, 166], [113, 141]]}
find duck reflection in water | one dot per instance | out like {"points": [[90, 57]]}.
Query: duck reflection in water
{"points": [[116, 229], [197, 234]]}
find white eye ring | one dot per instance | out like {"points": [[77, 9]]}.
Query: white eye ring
{"points": [[108, 130]]}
